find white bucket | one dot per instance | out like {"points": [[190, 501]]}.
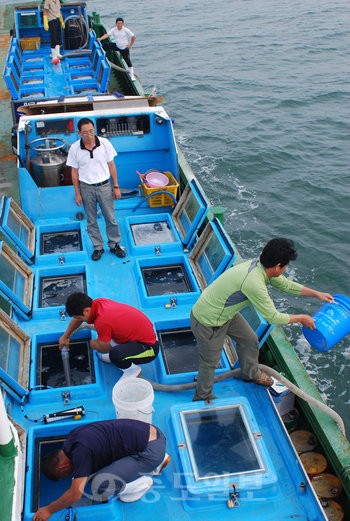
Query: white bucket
{"points": [[133, 398]]}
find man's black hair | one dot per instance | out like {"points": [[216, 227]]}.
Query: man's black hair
{"points": [[49, 465], [278, 251], [84, 121], [77, 302], [119, 19]]}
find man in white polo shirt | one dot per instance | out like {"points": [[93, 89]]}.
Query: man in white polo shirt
{"points": [[123, 40], [92, 162]]}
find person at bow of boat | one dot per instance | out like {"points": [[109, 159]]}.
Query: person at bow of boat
{"points": [[124, 40], [126, 337], [216, 313], [92, 162], [112, 454], [52, 22]]}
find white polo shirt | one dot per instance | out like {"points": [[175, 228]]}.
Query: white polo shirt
{"points": [[92, 170], [122, 38]]}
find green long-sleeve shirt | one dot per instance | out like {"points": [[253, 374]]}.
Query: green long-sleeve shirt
{"points": [[238, 287]]}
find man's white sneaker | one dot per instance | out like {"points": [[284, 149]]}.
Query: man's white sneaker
{"points": [[136, 489], [105, 358], [160, 467], [131, 372]]}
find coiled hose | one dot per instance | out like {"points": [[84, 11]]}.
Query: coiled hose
{"points": [[233, 374]]}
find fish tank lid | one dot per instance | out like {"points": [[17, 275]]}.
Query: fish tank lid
{"points": [[17, 227], [16, 281], [212, 254], [219, 445], [14, 357], [190, 212]]}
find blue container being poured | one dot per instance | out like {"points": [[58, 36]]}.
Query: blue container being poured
{"points": [[332, 323]]}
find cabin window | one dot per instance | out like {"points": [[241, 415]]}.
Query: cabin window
{"points": [[54, 126], [28, 20], [152, 233]]}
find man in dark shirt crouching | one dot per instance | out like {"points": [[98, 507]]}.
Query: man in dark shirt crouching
{"points": [[115, 454]]}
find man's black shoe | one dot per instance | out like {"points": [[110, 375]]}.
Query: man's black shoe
{"points": [[118, 251], [97, 254]]}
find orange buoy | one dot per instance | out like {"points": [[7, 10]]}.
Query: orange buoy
{"points": [[327, 486], [303, 441], [313, 463], [333, 510]]}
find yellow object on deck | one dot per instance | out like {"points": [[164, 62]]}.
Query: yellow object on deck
{"points": [[30, 44], [161, 199]]}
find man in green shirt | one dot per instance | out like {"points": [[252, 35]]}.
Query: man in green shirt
{"points": [[216, 313]]}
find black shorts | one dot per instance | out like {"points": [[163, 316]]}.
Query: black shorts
{"points": [[123, 355]]}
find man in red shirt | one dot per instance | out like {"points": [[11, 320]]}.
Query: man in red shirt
{"points": [[125, 335]]}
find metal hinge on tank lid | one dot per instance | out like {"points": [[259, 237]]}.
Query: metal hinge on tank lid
{"points": [[232, 502]]}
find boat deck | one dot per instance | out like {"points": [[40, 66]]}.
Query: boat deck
{"points": [[33, 74], [115, 278]]}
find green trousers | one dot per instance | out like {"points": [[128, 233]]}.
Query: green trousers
{"points": [[210, 341]]}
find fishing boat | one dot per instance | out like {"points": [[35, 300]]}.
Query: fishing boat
{"points": [[230, 457]]}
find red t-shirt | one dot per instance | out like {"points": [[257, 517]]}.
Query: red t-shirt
{"points": [[120, 322]]}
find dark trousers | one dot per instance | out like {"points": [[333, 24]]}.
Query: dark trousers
{"points": [[123, 355], [112, 479], [210, 341], [55, 32], [110, 46]]}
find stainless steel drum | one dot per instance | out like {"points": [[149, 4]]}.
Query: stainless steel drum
{"points": [[47, 165]]}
